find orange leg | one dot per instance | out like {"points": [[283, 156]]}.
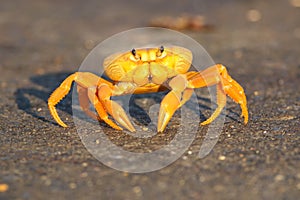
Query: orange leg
{"points": [[182, 89], [85, 103], [173, 100], [114, 109], [92, 95], [58, 95], [221, 101], [91, 88], [218, 75]]}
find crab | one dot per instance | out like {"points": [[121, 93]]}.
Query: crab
{"points": [[147, 70]]}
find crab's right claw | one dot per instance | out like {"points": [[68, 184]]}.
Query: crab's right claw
{"points": [[168, 107]]}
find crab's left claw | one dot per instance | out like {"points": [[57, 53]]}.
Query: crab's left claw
{"points": [[173, 100]]}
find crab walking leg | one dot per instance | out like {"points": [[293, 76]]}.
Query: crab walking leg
{"points": [[92, 95], [84, 80], [218, 74], [221, 101], [236, 92], [58, 95], [113, 108], [85, 103], [173, 100]]}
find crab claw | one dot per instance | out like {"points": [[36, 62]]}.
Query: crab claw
{"points": [[113, 108], [173, 100], [118, 113], [169, 105]]}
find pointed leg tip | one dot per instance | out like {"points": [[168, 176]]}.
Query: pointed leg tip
{"points": [[132, 129], [125, 122], [113, 125], [119, 115], [118, 128], [163, 120], [245, 115], [61, 123], [160, 129], [205, 122]]}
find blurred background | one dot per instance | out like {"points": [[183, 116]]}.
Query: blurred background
{"points": [[41, 42]]}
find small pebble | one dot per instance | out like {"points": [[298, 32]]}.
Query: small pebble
{"points": [[253, 15], [137, 190], [222, 157], [84, 164], [72, 185], [279, 177], [3, 187], [190, 152], [145, 128]]}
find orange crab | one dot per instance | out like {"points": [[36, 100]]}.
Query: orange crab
{"points": [[144, 71]]}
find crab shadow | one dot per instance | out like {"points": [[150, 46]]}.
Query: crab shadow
{"points": [[28, 99]]}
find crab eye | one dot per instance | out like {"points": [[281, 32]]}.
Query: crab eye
{"points": [[133, 51], [161, 49], [135, 55]]}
